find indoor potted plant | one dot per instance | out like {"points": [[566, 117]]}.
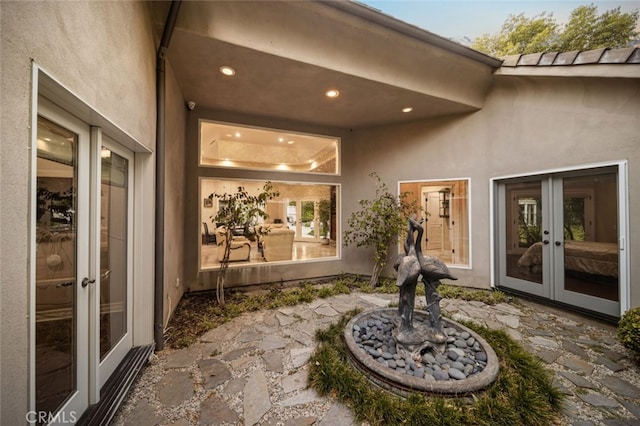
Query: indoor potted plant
{"points": [[324, 215]]}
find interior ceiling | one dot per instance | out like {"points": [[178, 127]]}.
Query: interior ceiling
{"points": [[276, 87], [268, 147]]}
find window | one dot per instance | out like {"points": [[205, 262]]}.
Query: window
{"points": [[243, 147], [445, 210], [302, 224]]}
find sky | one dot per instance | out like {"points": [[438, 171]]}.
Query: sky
{"points": [[463, 20]]}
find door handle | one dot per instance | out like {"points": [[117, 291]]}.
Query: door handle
{"points": [[86, 281], [558, 243]]}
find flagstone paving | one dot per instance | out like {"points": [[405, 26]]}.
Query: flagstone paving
{"points": [[253, 369]]}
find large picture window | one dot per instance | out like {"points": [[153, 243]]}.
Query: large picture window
{"points": [[235, 146], [445, 210], [302, 224]]}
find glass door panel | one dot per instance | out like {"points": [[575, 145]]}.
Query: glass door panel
{"points": [[116, 211], [113, 250], [60, 302], [587, 255], [302, 215], [308, 220], [526, 250]]}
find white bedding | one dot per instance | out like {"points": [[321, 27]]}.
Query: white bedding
{"points": [[581, 256]]}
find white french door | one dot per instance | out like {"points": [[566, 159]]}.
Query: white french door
{"points": [[82, 322], [558, 237], [114, 290], [304, 214]]}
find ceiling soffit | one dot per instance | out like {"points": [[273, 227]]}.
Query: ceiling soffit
{"points": [[287, 54]]}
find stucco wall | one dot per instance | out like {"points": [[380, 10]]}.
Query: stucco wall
{"points": [[174, 205], [104, 53], [527, 125]]}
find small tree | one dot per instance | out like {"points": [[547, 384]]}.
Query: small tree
{"points": [[379, 222], [238, 210]]}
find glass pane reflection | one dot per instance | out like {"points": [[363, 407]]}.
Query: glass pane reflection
{"points": [[590, 212], [113, 250], [524, 230], [55, 265]]}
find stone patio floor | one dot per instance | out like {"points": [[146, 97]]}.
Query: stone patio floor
{"points": [[253, 369]]}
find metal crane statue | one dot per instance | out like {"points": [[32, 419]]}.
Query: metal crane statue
{"points": [[411, 266]]}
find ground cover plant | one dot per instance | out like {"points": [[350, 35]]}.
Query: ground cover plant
{"points": [[522, 394], [199, 312]]}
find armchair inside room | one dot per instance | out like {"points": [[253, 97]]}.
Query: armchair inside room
{"points": [[207, 237], [277, 242], [240, 246]]}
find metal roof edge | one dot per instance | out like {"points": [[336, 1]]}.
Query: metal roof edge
{"points": [[601, 56], [596, 70]]}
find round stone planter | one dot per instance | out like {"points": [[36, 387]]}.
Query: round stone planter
{"points": [[403, 384]]}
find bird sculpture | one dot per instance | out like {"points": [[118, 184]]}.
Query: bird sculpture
{"points": [[411, 266]]}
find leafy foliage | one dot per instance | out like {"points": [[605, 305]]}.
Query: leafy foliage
{"points": [[629, 331], [523, 393], [519, 34], [324, 215], [239, 209], [379, 222], [585, 30]]}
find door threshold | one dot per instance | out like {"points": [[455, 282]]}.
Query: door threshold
{"points": [[115, 389], [576, 309]]}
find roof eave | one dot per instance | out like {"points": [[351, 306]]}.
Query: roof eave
{"points": [[375, 16]]}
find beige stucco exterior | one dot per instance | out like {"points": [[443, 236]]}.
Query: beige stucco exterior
{"points": [[175, 198], [104, 54], [527, 125], [98, 60]]}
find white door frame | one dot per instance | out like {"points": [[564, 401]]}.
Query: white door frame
{"points": [[91, 373], [108, 365], [497, 206], [79, 400]]}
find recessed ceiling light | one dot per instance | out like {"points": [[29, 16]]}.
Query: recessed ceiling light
{"points": [[227, 70], [280, 139], [407, 109], [332, 93], [237, 135]]}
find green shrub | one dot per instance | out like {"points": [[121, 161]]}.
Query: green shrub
{"points": [[522, 395], [629, 330]]}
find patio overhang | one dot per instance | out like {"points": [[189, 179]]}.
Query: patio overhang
{"points": [[288, 54]]}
